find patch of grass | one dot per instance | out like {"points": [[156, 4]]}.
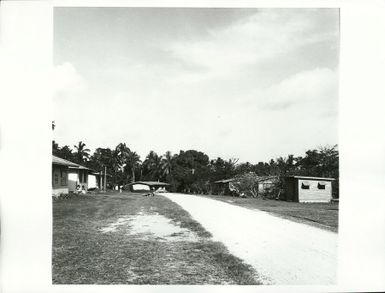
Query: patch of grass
{"points": [[81, 254], [321, 215]]}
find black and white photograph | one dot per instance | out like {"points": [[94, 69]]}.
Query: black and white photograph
{"points": [[195, 146], [167, 146]]}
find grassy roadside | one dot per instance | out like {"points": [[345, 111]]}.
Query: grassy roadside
{"points": [[81, 254], [321, 215]]}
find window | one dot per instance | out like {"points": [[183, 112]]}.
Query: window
{"points": [[56, 179], [305, 185], [321, 185], [63, 176]]}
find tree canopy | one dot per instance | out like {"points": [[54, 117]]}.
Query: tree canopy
{"points": [[192, 170]]}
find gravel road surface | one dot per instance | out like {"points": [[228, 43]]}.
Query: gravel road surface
{"points": [[282, 252]]}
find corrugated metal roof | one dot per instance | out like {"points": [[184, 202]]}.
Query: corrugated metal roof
{"points": [[265, 178], [60, 161], [259, 179], [77, 166], [311, 178], [225, 180], [149, 183], [71, 165], [93, 172]]}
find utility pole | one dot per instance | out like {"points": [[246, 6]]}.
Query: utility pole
{"points": [[100, 180], [105, 178]]}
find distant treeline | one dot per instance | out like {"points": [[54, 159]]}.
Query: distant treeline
{"points": [[193, 171]]}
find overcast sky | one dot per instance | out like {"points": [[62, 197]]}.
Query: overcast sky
{"points": [[245, 83]]}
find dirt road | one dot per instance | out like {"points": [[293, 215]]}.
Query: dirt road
{"points": [[282, 251]]}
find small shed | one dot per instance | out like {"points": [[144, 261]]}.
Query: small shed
{"points": [[226, 186], [307, 189], [60, 169], [266, 183], [139, 186], [223, 186]]}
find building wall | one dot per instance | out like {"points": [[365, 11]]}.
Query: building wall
{"points": [[59, 179], [291, 190], [314, 193], [139, 187], [73, 180], [77, 177], [266, 186], [59, 176], [92, 181]]}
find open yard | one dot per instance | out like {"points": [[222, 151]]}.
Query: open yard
{"points": [[126, 238], [321, 215]]}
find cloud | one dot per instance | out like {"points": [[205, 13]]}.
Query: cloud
{"points": [[67, 80], [317, 86], [260, 86], [263, 36]]}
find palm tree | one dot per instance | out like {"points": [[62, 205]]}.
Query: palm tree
{"points": [[121, 154], [66, 153], [166, 164], [82, 154], [133, 162], [152, 166]]}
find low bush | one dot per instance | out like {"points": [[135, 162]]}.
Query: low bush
{"points": [[63, 196]]}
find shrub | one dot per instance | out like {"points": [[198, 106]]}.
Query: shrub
{"points": [[246, 184]]}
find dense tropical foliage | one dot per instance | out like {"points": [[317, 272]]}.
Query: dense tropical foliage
{"points": [[193, 171]]}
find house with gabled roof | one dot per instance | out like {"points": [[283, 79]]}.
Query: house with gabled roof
{"points": [[67, 175], [60, 170]]}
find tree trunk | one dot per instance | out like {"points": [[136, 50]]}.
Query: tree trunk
{"points": [[133, 175]]}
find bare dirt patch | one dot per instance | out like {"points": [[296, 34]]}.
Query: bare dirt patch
{"points": [[114, 226], [152, 226]]}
